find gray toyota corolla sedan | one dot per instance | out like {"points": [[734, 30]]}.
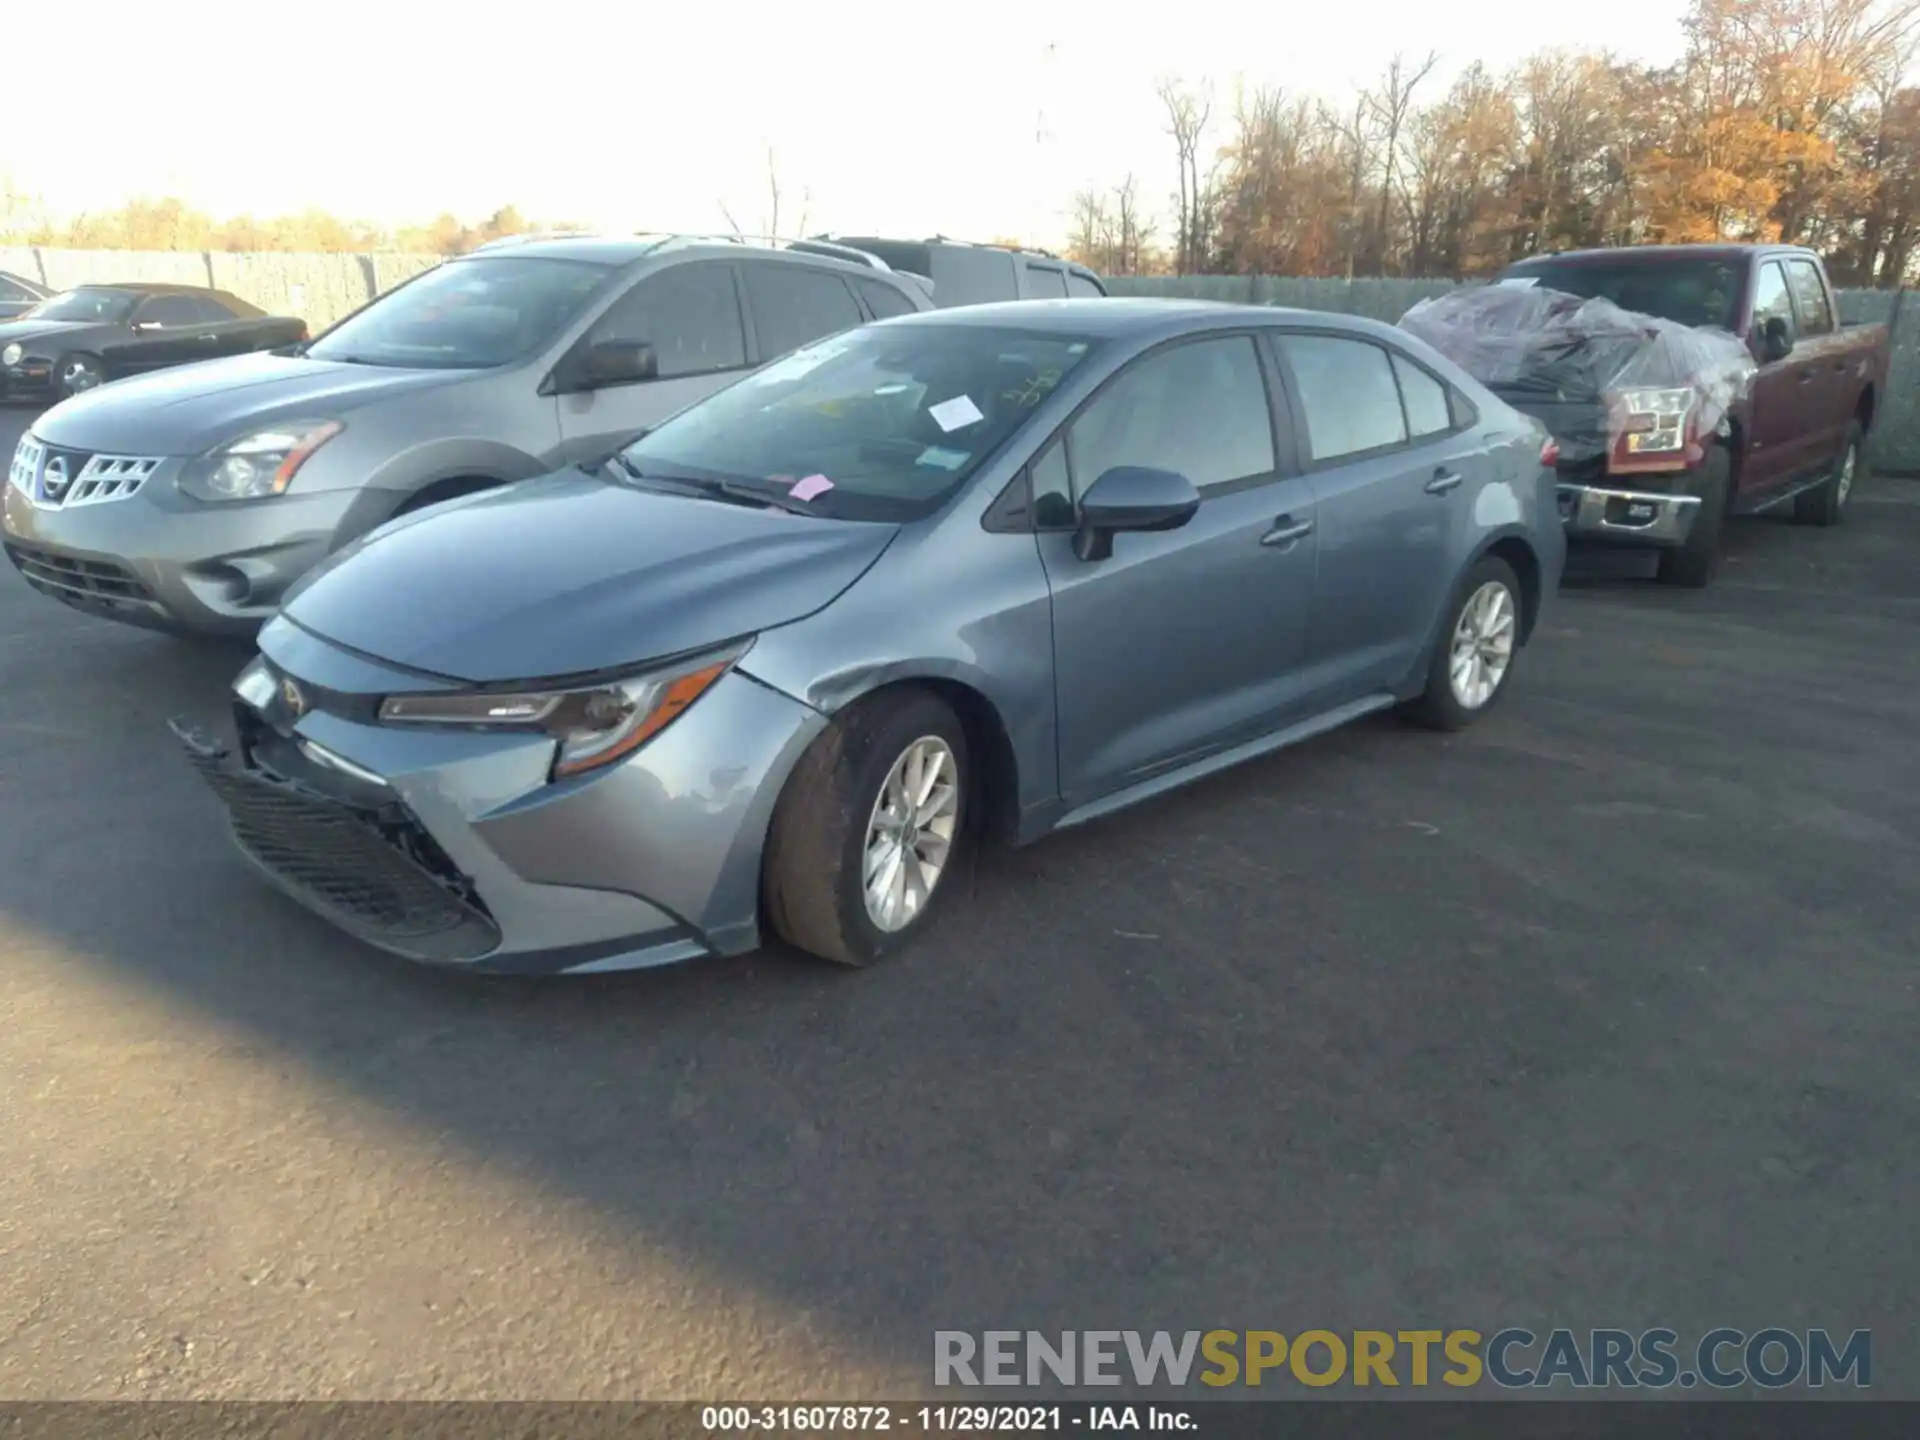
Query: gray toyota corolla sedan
{"points": [[981, 573]]}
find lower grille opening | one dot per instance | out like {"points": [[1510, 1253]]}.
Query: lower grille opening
{"points": [[381, 877], [68, 576]]}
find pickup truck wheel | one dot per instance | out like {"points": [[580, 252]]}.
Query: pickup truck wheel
{"points": [[1693, 564], [869, 829], [1826, 504], [1474, 655]]}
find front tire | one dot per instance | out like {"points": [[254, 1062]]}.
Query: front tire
{"points": [[1826, 504], [867, 832], [1474, 655], [76, 374], [1693, 564]]}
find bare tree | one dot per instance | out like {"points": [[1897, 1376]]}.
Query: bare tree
{"points": [[771, 225], [1187, 115], [1392, 105]]}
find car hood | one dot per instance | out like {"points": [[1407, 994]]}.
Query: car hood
{"points": [[189, 409], [24, 332], [569, 574]]}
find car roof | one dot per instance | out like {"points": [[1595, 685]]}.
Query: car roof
{"points": [[1140, 316], [1654, 254], [617, 251]]}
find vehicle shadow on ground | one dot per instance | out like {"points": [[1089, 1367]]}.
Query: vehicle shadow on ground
{"points": [[1358, 1034]]}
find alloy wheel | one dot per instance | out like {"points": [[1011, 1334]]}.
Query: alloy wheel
{"points": [[1482, 649], [910, 833]]}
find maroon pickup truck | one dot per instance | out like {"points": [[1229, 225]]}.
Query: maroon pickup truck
{"points": [[1748, 393]]}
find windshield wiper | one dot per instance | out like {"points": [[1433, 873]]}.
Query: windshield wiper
{"points": [[730, 491]]}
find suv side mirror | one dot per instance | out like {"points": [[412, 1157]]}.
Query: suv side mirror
{"points": [[616, 362], [1132, 498], [1776, 338]]}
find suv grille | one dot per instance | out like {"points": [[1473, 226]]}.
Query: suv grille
{"points": [[55, 479]]}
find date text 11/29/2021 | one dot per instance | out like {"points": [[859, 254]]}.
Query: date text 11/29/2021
{"points": [[942, 1419]]}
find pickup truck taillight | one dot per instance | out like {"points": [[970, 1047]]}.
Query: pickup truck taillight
{"points": [[1550, 452]]}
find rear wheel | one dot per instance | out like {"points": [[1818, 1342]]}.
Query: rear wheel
{"points": [[1826, 503], [1693, 564], [1476, 649], [868, 829], [77, 374]]}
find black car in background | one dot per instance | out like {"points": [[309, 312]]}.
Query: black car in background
{"points": [[84, 337], [19, 294]]}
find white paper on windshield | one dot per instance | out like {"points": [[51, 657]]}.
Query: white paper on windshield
{"points": [[956, 414], [941, 458], [1519, 282]]}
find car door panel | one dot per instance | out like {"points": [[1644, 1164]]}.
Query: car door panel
{"points": [[1187, 641], [690, 315], [1828, 407], [1782, 419], [1391, 510]]}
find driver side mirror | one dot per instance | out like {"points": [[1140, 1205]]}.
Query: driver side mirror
{"points": [[1776, 338], [616, 362], [1132, 498]]}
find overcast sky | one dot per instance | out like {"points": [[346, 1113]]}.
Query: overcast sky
{"points": [[976, 119]]}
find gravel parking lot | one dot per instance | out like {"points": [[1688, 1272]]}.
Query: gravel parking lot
{"points": [[1601, 1014]]}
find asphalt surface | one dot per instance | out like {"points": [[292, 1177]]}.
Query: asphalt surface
{"points": [[1601, 1014]]}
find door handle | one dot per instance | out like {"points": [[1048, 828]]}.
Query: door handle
{"points": [[209, 337], [1806, 377], [1286, 530], [1444, 480]]}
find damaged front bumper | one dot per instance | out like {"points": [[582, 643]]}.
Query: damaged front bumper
{"points": [[455, 848]]}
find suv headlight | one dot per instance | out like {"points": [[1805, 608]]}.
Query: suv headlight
{"points": [[259, 464], [11, 355], [594, 726], [1656, 420]]}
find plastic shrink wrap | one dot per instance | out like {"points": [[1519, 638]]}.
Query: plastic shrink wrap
{"points": [[1633, 391]]}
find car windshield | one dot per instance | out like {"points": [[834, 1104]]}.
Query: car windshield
{"points": [[880, 423], [465, 315], [103, 307], [1687, 292]]}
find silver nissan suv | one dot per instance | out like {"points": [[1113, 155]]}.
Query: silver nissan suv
{"points": [[191, 499]]}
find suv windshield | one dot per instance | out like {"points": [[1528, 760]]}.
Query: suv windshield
{"points": [[882, 423], [1687, 292], [87, 303], [465, 315]]}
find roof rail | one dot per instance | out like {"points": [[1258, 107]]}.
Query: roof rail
{"points": [[990, 245], [806, 246]]}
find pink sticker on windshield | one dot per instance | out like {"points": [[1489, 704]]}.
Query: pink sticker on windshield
{"points": [[811, 486]]}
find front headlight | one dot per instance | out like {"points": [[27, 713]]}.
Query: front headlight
{"points": [[594, 726], [1656, 420], [257, 465], [11, 355]]}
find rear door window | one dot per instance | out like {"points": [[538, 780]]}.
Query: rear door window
{"points": [[793, 304], [883, 300], [1046, 282], [1347, 390], [689, 314], [1425, 399], [1080, 286]]}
